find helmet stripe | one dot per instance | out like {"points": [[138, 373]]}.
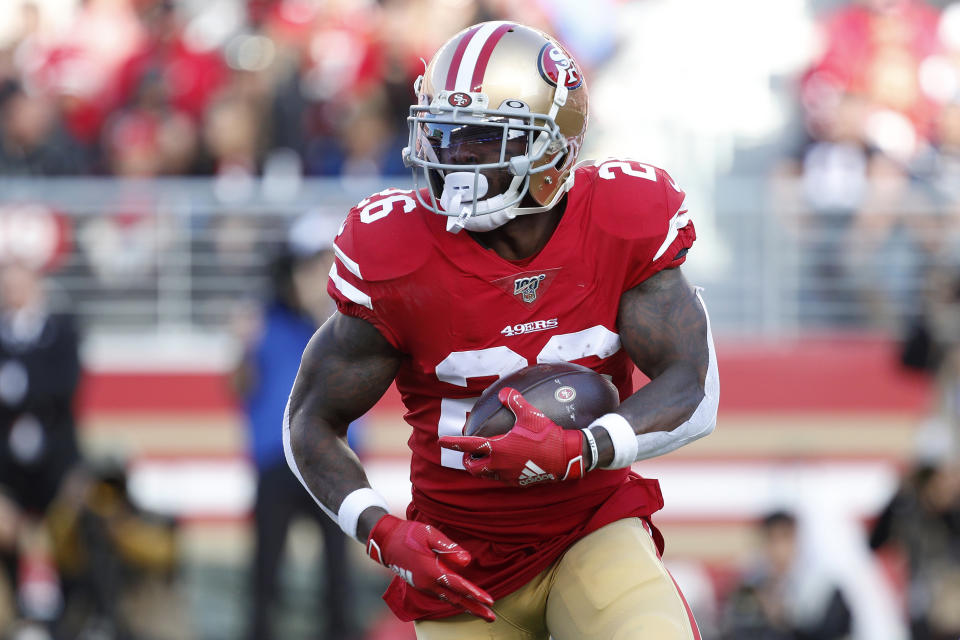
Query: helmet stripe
{"points": [[484, 57], [471, 55], [458, 56]]}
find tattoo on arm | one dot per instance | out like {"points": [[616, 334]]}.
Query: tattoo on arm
{"points": [[663, 328], [346, 368]]}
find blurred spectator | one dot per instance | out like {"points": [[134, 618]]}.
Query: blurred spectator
{"points": [[133, 142], [39, 456], [939, 168], [932, 346], [116, 562], [366, 147], [32, 140], [834, 170], [923, 522], [231, 135], [183, 73], [274, 341], [783, 597]]}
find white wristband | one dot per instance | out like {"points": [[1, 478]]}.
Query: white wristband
{"points": [[356, 503], [625, 445], [594, 452]]}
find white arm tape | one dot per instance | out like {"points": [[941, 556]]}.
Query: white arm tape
{"points": [[623, 437], [656, 443], [356, 503]]}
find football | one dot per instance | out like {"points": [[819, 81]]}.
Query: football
{"points": [[570, 395]]}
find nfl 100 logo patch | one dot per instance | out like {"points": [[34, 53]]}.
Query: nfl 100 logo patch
{"points": [[527, 287]]}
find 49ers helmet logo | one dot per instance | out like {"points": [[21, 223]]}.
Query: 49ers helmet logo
{"points": [[460, 99], [552, 59]]}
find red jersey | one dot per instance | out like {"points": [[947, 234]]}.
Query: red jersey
{"points": [[466, 317]]}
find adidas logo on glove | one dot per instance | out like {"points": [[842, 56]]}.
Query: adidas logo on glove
{"points": [[532, 473]]}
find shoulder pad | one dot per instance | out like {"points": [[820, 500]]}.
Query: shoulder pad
{"points": [[384, 236], [629, 199]]}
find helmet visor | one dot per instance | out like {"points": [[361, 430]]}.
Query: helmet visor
{"points": [[486, 144], [503, 147]]}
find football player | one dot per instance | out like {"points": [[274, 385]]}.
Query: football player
{"points": [[509, 253]]}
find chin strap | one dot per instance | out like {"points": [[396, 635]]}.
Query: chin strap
{"points": [[487, 222]]}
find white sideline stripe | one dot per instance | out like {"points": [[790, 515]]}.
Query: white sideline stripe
{"points": [[472, 53], [677, 222], [182, 350], [697, 490], [347, 289], [350, 264]]}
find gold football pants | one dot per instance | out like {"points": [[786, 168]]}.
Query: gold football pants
{"points": [[610, 585]]}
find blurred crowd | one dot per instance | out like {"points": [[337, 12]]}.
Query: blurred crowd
{"points": [[229, 89], [879, 160], [171, 87], [281, 88], [879, 169], [247, 88]]}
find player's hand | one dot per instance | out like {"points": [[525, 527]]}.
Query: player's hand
{"points": [[534, 451], [427, 560]]}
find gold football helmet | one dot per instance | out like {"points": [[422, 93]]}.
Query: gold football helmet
{"points": [[502, 110]]}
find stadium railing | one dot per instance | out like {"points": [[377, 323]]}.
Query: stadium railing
{"points": [[174, 256]]}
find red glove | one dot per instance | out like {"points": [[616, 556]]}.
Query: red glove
{"points": [[423, 557], [536, 449]]}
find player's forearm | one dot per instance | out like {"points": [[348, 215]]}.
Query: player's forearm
{"points": [[665, 403], [326, 465], [345, 369], [679, 404], [331, 473]]}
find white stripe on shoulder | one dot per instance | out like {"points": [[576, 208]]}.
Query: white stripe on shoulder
{"points": [[470, 56], [677, 222], [347, 289], [350, 264]]}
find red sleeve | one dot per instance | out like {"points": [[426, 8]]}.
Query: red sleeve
{"points": [[348, 308], [668, 235], [355, 296], [379, 245], [338, 286], [644, 211]]}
